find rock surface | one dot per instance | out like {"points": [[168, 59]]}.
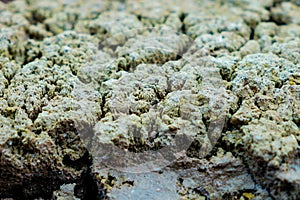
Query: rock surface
{"points": [[149, 99]]}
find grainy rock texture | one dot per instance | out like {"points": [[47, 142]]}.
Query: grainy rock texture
{"points": [[145, 99]]}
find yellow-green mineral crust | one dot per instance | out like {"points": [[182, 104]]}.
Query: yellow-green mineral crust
{"points": [[200, 99]]}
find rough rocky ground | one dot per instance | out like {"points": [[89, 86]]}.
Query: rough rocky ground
{"points": [[150, 99]]}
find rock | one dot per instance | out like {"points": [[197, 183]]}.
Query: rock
{"points": [[149, 99], [158, 46], [66, 191], [251, 47], [288, 49], [218, 44], [113, 29], [211, 21], [286, 13], [261, 73], [274, 147]]}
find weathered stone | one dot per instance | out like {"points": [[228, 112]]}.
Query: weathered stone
{"points": [[286, 13], [199, 99]]}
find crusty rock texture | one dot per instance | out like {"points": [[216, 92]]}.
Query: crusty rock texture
{"points": [[145, 99]]}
